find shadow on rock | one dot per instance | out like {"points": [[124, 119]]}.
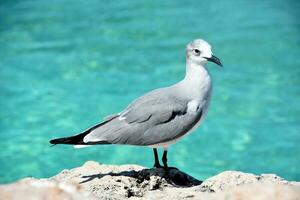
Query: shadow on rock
{"points": [[175, 176]]}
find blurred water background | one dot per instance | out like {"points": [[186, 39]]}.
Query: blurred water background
{"points": [[66, 64]]}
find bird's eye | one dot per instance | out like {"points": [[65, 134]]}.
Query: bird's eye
{"points": [[197, 51]]}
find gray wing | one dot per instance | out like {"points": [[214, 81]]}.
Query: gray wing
{"points": [[152, 119]]}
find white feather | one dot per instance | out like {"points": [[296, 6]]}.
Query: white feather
{"points": [[121, 118], [79, 146]]}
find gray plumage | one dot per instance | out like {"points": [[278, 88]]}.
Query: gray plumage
{"points": [[156, 117]]}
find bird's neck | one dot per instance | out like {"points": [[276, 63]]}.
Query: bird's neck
{"points": [[196, 73], [197, 81]]}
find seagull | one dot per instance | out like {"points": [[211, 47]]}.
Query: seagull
{"points": [[162, 116]]}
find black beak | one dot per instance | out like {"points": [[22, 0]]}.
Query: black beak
{"points": [[215, 60]]}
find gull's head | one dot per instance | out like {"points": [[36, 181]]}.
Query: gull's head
{"points": [[199, 52]]}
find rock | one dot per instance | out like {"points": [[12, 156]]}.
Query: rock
{"points": [[230, 179], [94, 180], [115, 182], [260, 191], [30, 188]]}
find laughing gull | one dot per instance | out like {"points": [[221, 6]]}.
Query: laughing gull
{"points": [[161, 117]]}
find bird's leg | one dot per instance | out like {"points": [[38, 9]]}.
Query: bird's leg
{"points": [[156, 164], [170, 179], [165, 161]]}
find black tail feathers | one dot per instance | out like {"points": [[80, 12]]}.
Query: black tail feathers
{"points": [[77, 139]]}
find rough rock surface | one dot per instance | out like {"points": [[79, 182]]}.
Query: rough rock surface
{"points": [[98, 181], [30, 188]]}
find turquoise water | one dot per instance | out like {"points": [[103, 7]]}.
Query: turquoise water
{"points": [[64, 65]]}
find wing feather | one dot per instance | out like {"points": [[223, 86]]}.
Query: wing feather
{"points": [[149, 120]]}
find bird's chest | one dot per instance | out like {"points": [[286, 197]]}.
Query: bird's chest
{"points": [[200, 100], [197, 106]]}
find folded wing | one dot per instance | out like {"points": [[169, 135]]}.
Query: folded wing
{"points": [[149, 120]]}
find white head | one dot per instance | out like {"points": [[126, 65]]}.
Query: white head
{"points": [[199, 52]]}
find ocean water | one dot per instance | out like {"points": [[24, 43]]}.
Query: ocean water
{"points": [[66, 64]]}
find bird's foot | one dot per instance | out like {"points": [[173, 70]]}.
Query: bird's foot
{"points": [[173, 168], [157, 165]]}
